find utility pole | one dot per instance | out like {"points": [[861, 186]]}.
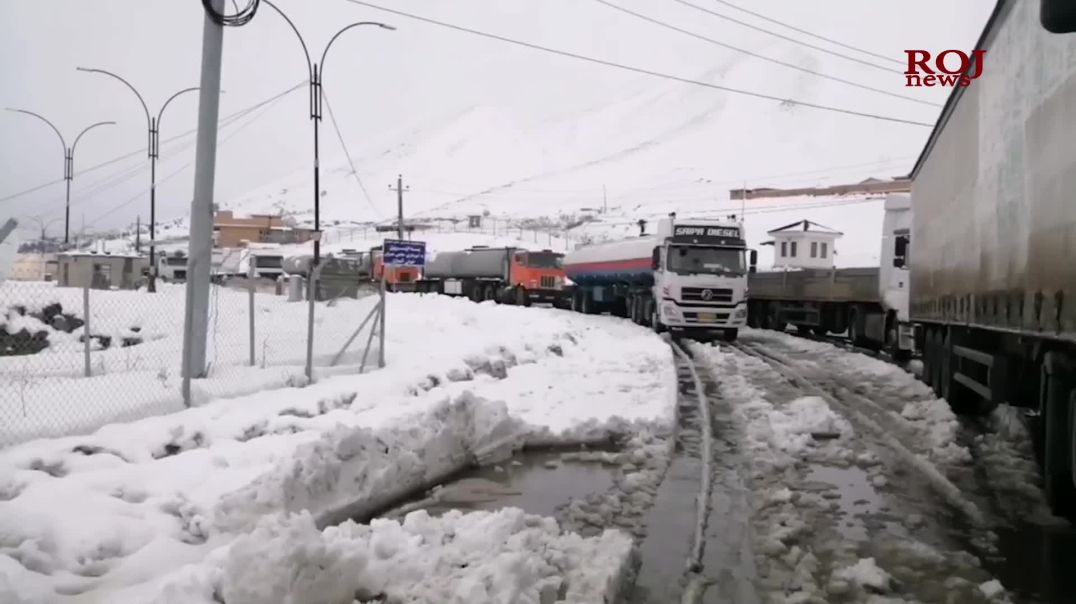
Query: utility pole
{"points": [[138, 237], [399, 188], [605, 201], [196, 317]]}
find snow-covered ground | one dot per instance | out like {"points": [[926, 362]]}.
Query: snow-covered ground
{"points": [[839, 514], [115, 515]]}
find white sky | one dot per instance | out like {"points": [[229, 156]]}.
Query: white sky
{"points": [[381, 83]]}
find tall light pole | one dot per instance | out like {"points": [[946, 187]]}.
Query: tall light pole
{"points": [[154, 146], [316, 71], [43, 225], [69, 162]]}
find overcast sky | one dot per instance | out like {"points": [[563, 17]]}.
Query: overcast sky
{"points": [[381, 83]]}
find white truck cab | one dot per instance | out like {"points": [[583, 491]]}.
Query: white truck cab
{"points": [[700, 276]]}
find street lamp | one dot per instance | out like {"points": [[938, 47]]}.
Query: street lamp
{"points": [[154, 146], [43, 225], [316, 71], [69, 162]]}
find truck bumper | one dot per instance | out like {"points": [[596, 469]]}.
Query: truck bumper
{"points": [[705, 319], [545, 296]]}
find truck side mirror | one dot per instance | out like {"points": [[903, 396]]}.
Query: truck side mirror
{"points": [[752, 264], [1058, 16], [655, 259], [898, 262]]}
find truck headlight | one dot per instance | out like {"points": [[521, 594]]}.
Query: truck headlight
{"points": [[741, 313], [672, 312]]}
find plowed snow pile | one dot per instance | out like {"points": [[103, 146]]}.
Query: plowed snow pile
{"points": [[238, 489]]}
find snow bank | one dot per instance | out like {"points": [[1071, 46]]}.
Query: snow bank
{"points": [[94, 515], [500, 557]]}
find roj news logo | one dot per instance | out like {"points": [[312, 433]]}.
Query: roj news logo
{"points": [[948, 68]]}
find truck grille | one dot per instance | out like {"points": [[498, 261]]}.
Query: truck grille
{"points": [[547, 282], [698, 294], [405, 277]]}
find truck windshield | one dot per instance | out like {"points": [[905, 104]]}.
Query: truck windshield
{"points": [[688, 260], [544, 260]]}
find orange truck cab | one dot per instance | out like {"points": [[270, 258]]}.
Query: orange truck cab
{"points": [[397, 278], [535, 276]]}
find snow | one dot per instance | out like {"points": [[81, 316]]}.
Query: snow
{"points": [[865, 573], [500, 557], [121, 511]]}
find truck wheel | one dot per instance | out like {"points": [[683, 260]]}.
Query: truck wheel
{"points": [[522, 299], [633, 309], [930, 358], [854, 334], [764, 317], [587, 304], [655, 322], [752, 316], [1059, 433], [819, 331]]}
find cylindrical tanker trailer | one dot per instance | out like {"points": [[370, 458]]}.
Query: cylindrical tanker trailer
{"points": [[505, 274], [690, 278]]}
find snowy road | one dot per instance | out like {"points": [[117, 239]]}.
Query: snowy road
{"points": [[867, 485]]}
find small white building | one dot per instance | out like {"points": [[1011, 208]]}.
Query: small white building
{"points": [[803, 244]]}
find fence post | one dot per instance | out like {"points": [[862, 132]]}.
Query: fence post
{"points": [[86, 328], [381, 319], [312, 295], [251, 281]]}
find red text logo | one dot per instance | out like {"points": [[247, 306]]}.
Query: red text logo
{"points": [[948, 68]]}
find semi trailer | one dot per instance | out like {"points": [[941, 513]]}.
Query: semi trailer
{"points": [[993, 238], [504, 274], [869, 303], [689, 278]]}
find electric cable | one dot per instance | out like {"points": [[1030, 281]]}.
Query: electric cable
{"points": [[762, 57], [176, 172], [789, 38], [350, 162], [657, 74], [807, 33], [222, 122]]}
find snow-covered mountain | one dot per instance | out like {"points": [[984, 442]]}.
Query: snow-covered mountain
{"points": [[482, 126]]}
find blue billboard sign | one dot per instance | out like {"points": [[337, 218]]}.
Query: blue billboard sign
{"points": [[404, 253]]}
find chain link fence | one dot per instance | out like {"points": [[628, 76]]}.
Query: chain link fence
{"points": [[73, 359]]}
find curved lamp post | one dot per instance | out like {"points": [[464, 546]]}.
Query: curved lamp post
{"points": [[315, 72], [69, 162], [154, 146]]}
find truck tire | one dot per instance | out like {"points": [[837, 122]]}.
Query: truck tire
{"points": [[855, 330], [655, 322], [522, 299], [633, 308], [930, 358], [1058, 400], [753, 320], [587, 304]]}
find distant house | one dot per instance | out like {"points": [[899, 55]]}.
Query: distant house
{"points": [[101, 270], [233, 231], [34, 267], [803, 244]]}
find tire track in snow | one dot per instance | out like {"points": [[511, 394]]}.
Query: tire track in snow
{"points": [[835, 517], [869, 415]]}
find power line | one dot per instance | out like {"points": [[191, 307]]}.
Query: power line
{"points": [[178, 170], [764, 57], [657, 74], [223, 121], [789, 38], [347, 154], [807, 33]]}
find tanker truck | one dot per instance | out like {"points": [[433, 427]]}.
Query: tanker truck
{"points": [[504, 274], [690, 278]]}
